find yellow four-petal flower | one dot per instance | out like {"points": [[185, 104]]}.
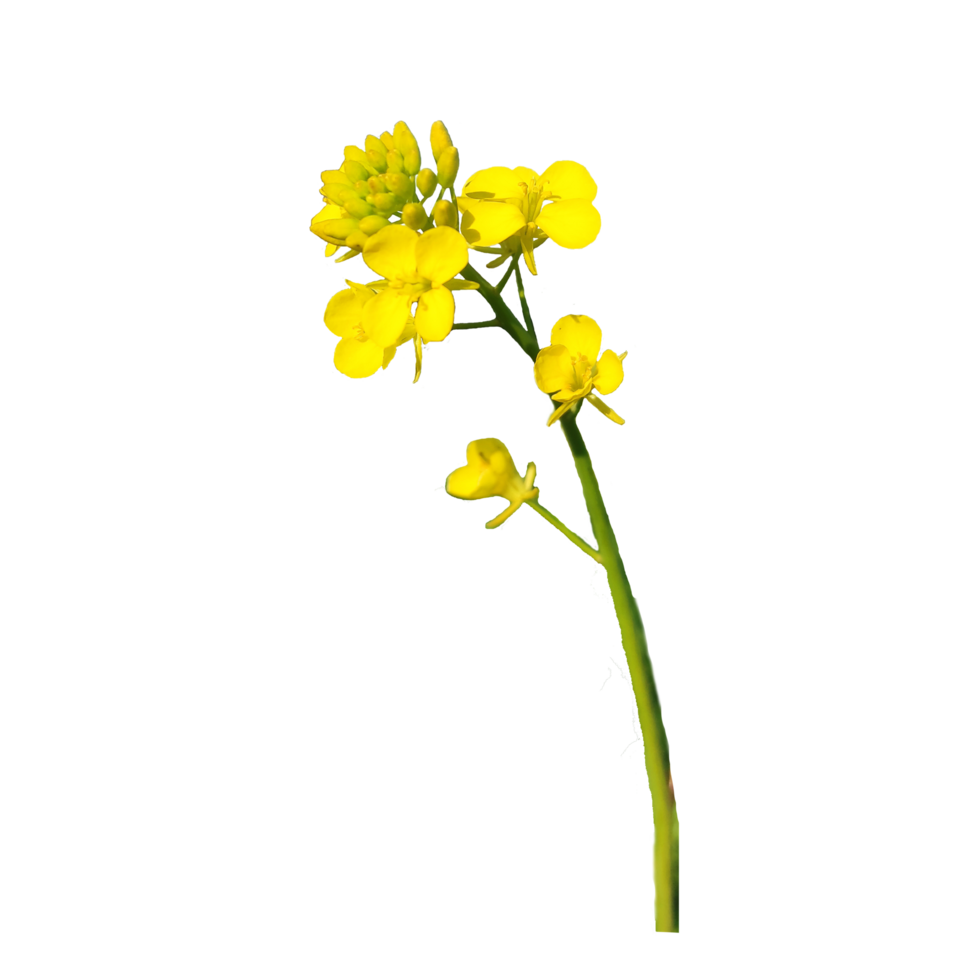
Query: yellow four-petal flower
{"points": [[571, 367], [500, 204], [490, 472]]}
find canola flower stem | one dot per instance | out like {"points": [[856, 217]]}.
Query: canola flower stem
{"points": [[524, 309], [474, 326], [655, 748], [525, 338], [501, 284], [571, 535]]}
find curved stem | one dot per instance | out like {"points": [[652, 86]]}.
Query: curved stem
{"points": [[655, 748]]}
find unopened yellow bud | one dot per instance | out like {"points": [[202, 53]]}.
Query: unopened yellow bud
{"points": [[395, 162], [361, 188], [357, 154], [414, 216], [377, 153], [426, 182], [338, 193], [356, 240], [444, 213], [383, 202], [377, 185], [399, 185], [448, 165], [334, 177], [357, 208], [388, 140], [355, 170], [338, 229], [372, 224], [407, 145], [439, 139]]}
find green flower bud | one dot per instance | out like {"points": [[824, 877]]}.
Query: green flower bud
{"points": [[399, 185], [373, 224], [377, 153], [426, 182], [448, 165], [361, 188], [444, 213], [385, 203], [439, 139], [357, 208], [338, 193], [414, 216], [354, 154], [339, 228], [407, 145], [333, 176], [355, 171]]}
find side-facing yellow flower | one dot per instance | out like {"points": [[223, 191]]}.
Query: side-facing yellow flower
{"points": [[418, 269], [500, 203], [356, 353], [570, 368], [490, 472]]}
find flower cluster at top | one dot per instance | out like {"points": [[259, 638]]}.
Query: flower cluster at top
{"points": [[381, 204], [382, 184]]}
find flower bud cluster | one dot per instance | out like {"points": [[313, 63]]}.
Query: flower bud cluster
{"points": [[373, 183]]}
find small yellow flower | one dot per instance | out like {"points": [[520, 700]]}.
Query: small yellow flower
{"points": [[500, 204], [417, 269], [570, 368], [490, 472], [356, 354]]}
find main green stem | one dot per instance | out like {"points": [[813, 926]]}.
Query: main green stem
{"points": [[666, 849], [655, 749]]}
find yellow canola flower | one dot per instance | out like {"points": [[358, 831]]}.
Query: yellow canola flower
{"points": [[570, 368], [500, 204], [356, 354], [490, 472], [417, 269]]}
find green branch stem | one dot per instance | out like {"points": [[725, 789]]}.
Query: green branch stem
{"points": [[520, 293], [571, 535], [525, 338]]}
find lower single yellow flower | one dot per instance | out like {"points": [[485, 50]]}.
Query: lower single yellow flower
{"points": [[490, 472], [570, 368], [357, 354]]}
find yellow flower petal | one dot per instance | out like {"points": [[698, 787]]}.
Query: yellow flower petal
{"points": [[572, 224], [490, 222], [385, 316], [553, 371], [495, 182], [391, 252], [344, 312], [488, 471], [434, 314], [357, 358], [580, 334], [440, 254], [525, 175], [567, 180], [609, 375], [389, 354]]}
